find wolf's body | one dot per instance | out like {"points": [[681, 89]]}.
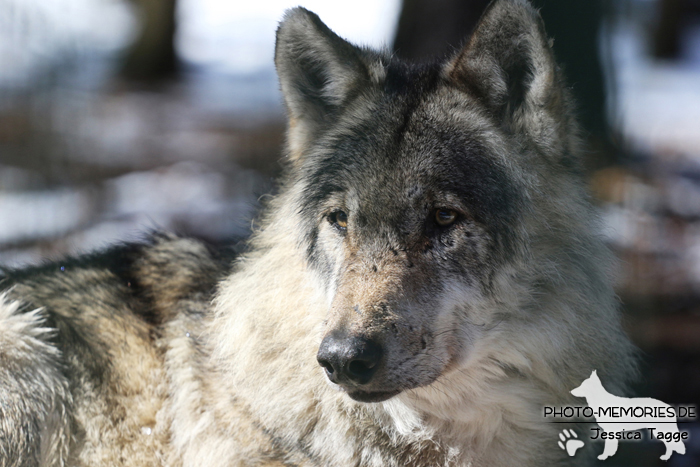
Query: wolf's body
{"points": [[432, 247]]}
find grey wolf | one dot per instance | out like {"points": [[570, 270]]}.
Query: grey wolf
{"points": [[597, 397], [427, 279]]}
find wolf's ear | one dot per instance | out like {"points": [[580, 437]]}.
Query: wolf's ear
{"points": [[509, 65], [317, 71]]}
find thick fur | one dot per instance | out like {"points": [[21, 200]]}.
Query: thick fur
{"points": [[170, 354]]}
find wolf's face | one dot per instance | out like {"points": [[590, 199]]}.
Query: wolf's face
{"points": [[408, 204], [405, 211]]}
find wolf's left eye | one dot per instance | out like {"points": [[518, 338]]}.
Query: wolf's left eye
{"points": [[445, 217], [338, 219]]}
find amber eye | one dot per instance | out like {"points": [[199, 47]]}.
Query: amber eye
{"points": [[445, 217], [339, 219]]}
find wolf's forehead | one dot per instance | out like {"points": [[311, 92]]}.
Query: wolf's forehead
{"points": [[408, 130], [396, 145], [403, 143]]}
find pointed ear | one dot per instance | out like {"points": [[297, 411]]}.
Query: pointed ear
{"points": [[508, 64], [317, 71]]}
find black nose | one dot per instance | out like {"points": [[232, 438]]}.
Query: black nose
{"points": [[349, 360]]}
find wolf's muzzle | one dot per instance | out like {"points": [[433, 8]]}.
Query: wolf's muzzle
{"points": [[349, 361]]}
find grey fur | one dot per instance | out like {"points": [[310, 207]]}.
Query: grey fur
{"points": [[163, 354]]}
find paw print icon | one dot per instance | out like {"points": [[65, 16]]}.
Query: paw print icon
{"points": [[569, 442]]}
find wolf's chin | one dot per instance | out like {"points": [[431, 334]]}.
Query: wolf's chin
{"points": [[378, 396], [365, 396]]}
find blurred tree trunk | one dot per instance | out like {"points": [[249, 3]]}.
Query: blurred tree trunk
{"points": [[667, 37], [152, 57], [574, 25], [430, 29], [435, 28]]}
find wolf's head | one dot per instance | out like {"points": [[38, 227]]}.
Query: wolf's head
{"points": [[417, 189]]}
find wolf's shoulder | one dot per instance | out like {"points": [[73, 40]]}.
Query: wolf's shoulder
{"points": [[85, 332], [146, 278]]}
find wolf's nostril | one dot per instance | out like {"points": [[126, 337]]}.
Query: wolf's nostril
{"points": [[363, 361], [328, 367]]}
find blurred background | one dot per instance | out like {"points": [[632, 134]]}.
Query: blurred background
{"points": [[122, 116]]}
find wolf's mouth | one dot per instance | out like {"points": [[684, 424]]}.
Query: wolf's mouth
{"points": [[377, 396]]}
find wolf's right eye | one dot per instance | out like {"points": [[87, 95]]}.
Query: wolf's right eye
{"points": [[445, 217], [339, 219]]}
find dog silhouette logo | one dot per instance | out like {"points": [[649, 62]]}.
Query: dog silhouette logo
{"points": [[615, 415]]}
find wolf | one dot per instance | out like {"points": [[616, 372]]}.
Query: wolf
{"points": [[427, 278], [598, 397]]}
